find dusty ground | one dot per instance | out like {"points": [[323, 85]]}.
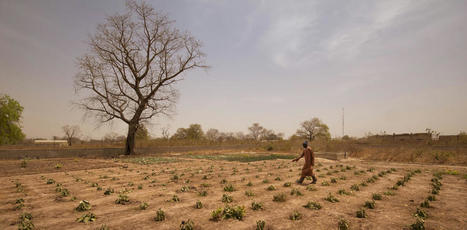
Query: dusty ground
{"points": [[49, 211]]}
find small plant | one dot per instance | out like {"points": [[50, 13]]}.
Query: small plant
{"points": [[160, 215], [260, 225], [49, 181], [226, 198], [198, 205], [203, 193], [216, 215], [143, 206], [361, 213], [343, 224], [271, 188], [333, 180], [58, 166], [237, 212], [229, 188], [287, 184], [363, 184], [311, 188], [278, 179], [279, 197], [265, 181], [175, 198], [140, 186], [187, 225], [370, 204], [425, 204], [223, 181], [122, 199], [295, 215], [325, 183], [343, 192], [355, 187], [94, 185], [24, 163], [431, 198], [389, 193], [83, 205], [421, 213], [296, 192], [249, 184], [256, 205], [331, 198], [312, 205], [88, 217], [249, 193], [108, 191], [377, 196], [418, 225]]}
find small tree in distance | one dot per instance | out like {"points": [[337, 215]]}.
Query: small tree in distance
{"points": [[313, 128], [71, 132]]}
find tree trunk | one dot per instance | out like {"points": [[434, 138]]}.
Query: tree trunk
{"points": [[69, 141], [130, 139]]}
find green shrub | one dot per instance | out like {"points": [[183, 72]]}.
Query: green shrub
{"points": [[256, 205], [226, 198], [203, 193], [160, 215], [49, 181], [361, 213], [343, 224], [370, 204], [377, 196], [355, 187], [271, 188], [260, 224], [418, 225], [229, 188], [325, 183], [331, 198], [198, 205], [187, 225], [425, 204], [249, 184], [237, 212], [312, 205], [175, 198], [249, 193], [421, 213], [333, 180], [295, 215], [83, 205], [122, 199], [143, 206], [108, 191], [287, 184], [88, 217], [389, 193], [296, 192], [279, 197], [216, 215], [278, 179]]}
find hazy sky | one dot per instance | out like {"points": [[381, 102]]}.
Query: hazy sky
{"points": [[396, 66]]}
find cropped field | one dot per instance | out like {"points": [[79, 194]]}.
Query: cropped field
{"points": [[229, 191]]}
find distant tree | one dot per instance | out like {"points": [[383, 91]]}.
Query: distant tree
{"points": [[142, 133], [114, 137], [133, 61], [10, 121], [212, 134], [313, 128], [255, 131], [268, 134], [194, 132], [239, 135], [71, 132], [180, 134], [165, 133]]}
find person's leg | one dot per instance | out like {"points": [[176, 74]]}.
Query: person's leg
{"points": [[301, 179], [314, 177]]}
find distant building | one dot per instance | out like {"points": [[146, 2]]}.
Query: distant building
{"points": [[401, 138], [51, 142]]}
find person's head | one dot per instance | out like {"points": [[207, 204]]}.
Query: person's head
{"points": [[305, 144]]}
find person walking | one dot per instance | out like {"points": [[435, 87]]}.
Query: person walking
{"points": [[307, 169]]}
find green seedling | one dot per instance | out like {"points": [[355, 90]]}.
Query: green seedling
{"points": [[88, 217], [331, 198], [377, 196], [256, 205], [295, 215], [226, 198], [160, 215], [296, 192], [361, 213], [312, 205], [370, 204], [198, 205], [249, 193], [279, 197], [83, 205], [343, 224], [187, 225], [143, 206], [122, 199], [260, 225]]}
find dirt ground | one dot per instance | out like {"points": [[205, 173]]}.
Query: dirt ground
{"points": [[155, 183]]}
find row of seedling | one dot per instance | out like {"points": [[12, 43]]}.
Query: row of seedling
{"points": [[421, 214]]}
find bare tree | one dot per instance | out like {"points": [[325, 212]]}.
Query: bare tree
{"points": [[71, 132], [165, 133], [133, 61], [313, 128], [255, 131], [212, 134]]}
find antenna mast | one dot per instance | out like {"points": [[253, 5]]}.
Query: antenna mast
{"points": [[342, 121]]}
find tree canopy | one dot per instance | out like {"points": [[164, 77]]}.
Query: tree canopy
{"points": [[10, 121]]}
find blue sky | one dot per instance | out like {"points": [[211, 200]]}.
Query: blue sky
{"points": [[396, 66]]}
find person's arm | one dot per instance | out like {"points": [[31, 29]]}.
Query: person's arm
{"points": [[296, 159]]}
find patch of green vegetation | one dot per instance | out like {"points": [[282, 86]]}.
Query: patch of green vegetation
{"points": [[122, 199], [260, 224], [198, 205], [271, 188], [312, 205], [418, 225], [83, 205], [187, 225], [287, 184], [370, 204], [151, 160], [160, 215], [242, 157], [361, 213], [421, 213], [88, 217], [295, 215], [331, 198], [229, 188], [237, 212], [143, 206], [256, 205], [343, 224], [296, 192], [279, 197], [377, 196], [226, 198]]}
